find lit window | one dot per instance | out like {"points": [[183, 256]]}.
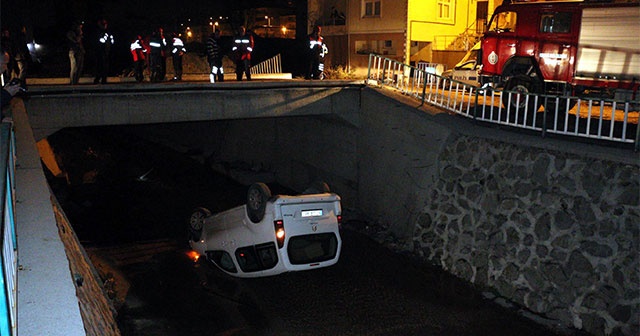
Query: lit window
{"points": [[371, 8], [445, 10]]}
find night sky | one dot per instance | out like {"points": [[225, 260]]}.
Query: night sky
{"points": [[46, 18], [48, 21]]}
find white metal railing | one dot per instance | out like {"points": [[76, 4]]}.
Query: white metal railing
{"points": [[270, 66], [8, 271], [602, 119]]}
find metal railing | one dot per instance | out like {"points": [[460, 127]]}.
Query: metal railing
{"points": [[270, 66], [601, 119], [8, 271]]}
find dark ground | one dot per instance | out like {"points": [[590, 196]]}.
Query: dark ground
{"points": [[371, 291]]}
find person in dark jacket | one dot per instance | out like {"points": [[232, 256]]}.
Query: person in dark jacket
{"points": [[243, 46], [177, 51], [104, 42], [157, 44], [214, 57], [317, 51], [10, 89], [76, 52]]}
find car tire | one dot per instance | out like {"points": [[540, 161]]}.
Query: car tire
{"points": [[257, 197], [196, 222]]}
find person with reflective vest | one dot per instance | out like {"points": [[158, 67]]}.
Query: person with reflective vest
{"points": [[157, 44], [317, 51], [177, 51], [214, 57], [105, 41], [138, 53], [242, 47]]}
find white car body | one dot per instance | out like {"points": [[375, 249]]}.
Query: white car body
{"points": [[241, 247]]}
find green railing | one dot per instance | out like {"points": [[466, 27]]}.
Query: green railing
{"points": [[8, 271]]}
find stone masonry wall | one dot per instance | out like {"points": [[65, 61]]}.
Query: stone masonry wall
{"points": [[552, 231]]}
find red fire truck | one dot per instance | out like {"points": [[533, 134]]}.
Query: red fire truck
{"points": [[582, 48]]}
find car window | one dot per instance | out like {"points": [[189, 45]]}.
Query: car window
{"points": [[469, 65], [311, 248], [257, 257], [223, 260]]}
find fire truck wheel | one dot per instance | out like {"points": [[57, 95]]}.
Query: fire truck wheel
{"points": [[257, 198], [196, 221], [519, 86]]}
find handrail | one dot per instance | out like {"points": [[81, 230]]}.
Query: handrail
{"points": [[601, 119], [269, 66], [8, 271]]}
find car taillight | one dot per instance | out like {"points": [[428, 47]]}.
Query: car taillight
{"points": [[279, 228]]}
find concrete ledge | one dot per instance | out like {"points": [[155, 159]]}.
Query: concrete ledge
{"points": [[47, 302], [185, 77]]}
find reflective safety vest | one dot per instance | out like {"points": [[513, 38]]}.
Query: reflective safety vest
{"points": [[106, 38], [157, 45], [321, 50], [137, 51], [178, 46], [244, 45]]}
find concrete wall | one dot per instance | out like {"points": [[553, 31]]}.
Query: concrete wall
{"points": [[551, 225], [547, 224]]}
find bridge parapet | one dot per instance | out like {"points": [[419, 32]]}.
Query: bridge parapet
{"points": [[53, 108]]}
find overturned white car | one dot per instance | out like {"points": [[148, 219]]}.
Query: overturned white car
{"points": [[270, 234]]}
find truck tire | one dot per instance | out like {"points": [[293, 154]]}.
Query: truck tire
{"points": [[196, 222], [520, 85], [257, 198]]}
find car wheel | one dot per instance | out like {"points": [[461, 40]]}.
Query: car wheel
{"points": [[257, 198], [520, 85], [196, 222]]}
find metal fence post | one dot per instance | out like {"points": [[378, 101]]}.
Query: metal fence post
{"points": [[369, 69], [424, 87]]}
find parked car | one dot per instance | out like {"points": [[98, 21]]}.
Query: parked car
{"points": [[468, 69], [270, 235]]}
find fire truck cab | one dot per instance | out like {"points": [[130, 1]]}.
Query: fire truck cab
{"points": [[564, 47]]}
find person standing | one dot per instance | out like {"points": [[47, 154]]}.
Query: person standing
{"points": [[138, 53], [177, 51], [157, 44], [243, 46], [163, 54], [7, 47], [214, 57], [9, 89], [76, 52], [22, 54], [317, 51], [103, 50]]}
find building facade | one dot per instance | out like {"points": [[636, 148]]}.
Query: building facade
{"points": [[409, 31]]}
